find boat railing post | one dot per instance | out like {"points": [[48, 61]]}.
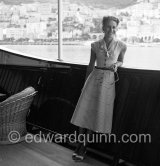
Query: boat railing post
{"points": [[60, 30]]}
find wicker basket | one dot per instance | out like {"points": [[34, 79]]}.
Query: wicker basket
{"points": [[13, 119]]}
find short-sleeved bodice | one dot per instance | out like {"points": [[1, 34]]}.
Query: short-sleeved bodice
{"points": [[105, 57]]}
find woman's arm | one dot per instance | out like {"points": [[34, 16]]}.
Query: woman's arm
{"points": [[91, 63], [121, 57], [119, 62]]}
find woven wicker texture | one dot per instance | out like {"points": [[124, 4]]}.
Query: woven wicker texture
{"points": [[13, 112]]}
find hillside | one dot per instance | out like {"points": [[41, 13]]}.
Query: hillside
{"points": [[17, 2], [106, 3], [92, 3]]}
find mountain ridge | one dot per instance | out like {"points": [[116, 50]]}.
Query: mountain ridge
{"points": [[18, 2], [105, 4]]}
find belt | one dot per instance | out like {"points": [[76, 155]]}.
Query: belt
{"points": [[105, 68]]}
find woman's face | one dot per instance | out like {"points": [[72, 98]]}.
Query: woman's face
{"points": [[110, 28]]}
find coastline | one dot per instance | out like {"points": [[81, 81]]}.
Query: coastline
{"points": [[82, 43]]}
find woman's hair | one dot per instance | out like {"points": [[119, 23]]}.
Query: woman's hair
{"points": [[108, 18]]}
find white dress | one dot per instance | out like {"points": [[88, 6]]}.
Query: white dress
{"points": [[94, 109]]}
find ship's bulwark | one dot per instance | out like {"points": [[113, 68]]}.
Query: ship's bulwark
{"points": [[59, 86]]}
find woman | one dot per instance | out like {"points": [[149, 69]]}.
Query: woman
{"points": [[94, 109]]}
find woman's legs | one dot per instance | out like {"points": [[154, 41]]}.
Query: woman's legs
{"points": [[83, 141], [80, 140]]}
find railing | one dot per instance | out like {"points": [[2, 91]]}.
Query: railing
{"points": [[136, 111]]}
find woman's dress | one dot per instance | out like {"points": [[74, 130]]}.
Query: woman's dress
{"points": [[94, 109]]}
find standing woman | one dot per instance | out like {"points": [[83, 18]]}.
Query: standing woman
{"points": [[94, 109]]}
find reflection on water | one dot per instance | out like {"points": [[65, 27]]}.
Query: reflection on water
{"points": [[136, 57]]}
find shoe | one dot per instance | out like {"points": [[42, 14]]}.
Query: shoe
{"points": [[76, 151], [74, 155], [80, 156]]}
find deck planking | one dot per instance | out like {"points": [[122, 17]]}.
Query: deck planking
{"points": [[41, 154]]}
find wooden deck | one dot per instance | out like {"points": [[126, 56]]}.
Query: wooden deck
{"points": [[40, 154]]}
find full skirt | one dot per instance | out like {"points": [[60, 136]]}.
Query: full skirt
{"points": [[94, 109]]}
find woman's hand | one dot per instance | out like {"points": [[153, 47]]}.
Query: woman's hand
{"points": [[114, 67]]}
